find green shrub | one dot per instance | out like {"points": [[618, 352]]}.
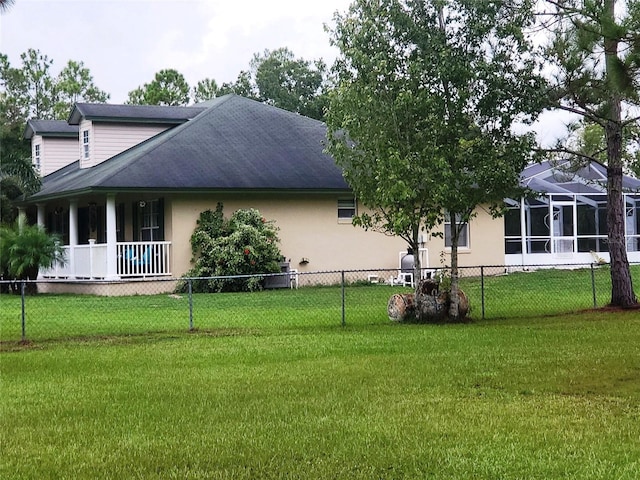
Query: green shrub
{"points": [[24, 249], [244, 244]]}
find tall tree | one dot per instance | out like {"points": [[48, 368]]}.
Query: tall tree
{"points": [[595, 52], [421, 119], [169, 87], [32, 91], [205, 90], [75, 84], [243, 86], [290, 83], [29, 89]]}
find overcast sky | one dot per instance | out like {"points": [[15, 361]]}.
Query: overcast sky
{"points": [[125, 42]]}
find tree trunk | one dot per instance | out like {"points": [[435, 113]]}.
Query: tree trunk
{"points": [[453, 293], [621, 285]]}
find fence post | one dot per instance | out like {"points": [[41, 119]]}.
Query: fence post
{"points": [[482, 288], [343, 301], [24, 324], [593, 287], [190, 305]]}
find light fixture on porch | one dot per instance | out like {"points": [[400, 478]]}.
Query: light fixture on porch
{"points": [[142, 203]]}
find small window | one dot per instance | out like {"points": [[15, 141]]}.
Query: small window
{"points": [[463, 238], [36, 158], [346, 209], [85, 144]]}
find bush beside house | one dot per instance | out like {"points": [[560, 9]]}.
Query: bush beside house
{"points": [[244, 244]]}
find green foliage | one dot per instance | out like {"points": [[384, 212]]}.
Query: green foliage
{"points": [[32, 91], [205, 90], [244, 244], [75, 84], [243, 86], [293, 84], [17, 176], [24, 249], [168, 87]]}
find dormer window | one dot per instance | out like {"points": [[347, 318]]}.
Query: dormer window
{"points": [[85, 144], [36, 158]]}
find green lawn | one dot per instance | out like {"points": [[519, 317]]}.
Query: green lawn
{"points": [[518, 295], [536, 398]]}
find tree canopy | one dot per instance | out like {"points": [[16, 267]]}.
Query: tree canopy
{"points": [[290, 83], [421, 120], [168, 87]]}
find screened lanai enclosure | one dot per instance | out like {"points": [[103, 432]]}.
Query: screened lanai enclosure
{"points": [[566, 223]]}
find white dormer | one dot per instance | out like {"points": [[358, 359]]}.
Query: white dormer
{"points": [[106, 130]]}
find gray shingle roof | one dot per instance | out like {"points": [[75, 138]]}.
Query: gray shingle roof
{"points": [[236, 144], [50, 128], [133, 113]]}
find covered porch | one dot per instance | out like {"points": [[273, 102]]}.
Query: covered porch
{"points": [[109, 238], [133, 260]]}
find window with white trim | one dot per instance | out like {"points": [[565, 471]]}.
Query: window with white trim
{"points": [[346, 209], [463, 238], [150, 220], [36, 158], [85, 144]]}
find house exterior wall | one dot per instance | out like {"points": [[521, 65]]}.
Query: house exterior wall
{"points": [[309, 228], [486, 243], [109, 139], [55, 153]]}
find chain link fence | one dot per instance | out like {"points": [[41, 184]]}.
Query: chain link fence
{"points": [[290, 301]]}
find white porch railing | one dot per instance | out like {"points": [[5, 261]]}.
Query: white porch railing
{"points": [[144, 259], [134, 259]]}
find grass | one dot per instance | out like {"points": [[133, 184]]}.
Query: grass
{"points": [[546, 398], [518, 295]]}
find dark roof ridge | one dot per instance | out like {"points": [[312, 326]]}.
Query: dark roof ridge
{"points": [[51, 128], [123, 112]]}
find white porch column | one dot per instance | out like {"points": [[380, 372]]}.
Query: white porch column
{"points": [[22, 218], [73, 235], [41, 221], [112, 250], [523, 229]]}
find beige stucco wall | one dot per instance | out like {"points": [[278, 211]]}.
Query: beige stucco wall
{"points": [[309, 228], [486, 243]]}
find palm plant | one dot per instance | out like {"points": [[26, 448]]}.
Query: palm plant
{"points": [[5, 5], [24, 249]]}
